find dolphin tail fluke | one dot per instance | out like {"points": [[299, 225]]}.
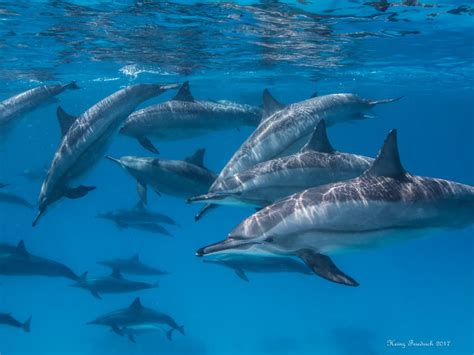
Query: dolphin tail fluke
{"points": [[72, 86], [27, 325], [181, 329], [385, 101], [324, 267], [78, 192], [148, 145]]}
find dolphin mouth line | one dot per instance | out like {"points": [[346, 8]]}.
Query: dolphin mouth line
{"points": [[115, 160]]}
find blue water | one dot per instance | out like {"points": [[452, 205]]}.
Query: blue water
{"points": [[421, 290]]}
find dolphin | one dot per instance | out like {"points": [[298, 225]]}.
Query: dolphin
{"points": [[316, 164], [17, 261], [133, 330], [132, 265], [288, 129], [386, 204], [85, 139], [145, 227], [7, 319], [136, 315], [115, 283], [179, 178], [16, 106], [241, 264], [185, 117], [35, 174], [6, 197], [138, 214]]}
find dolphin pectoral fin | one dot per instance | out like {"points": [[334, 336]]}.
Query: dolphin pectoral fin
{"points": [[96, 294], [141, 189], [169, 334], [148, 145], [132, 338], [78, 192], [241, 274], [204, 210], [324, 267], [117, 330]]}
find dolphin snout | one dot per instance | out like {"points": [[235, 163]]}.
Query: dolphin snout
{"points": [[114, 159], [225, 245]]}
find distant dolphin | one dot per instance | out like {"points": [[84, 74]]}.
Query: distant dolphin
{"points": [[7, 319], [16, 106], [184, 117], [386, 204], [115, 283], [316, 164], [146, 227], [17, 261], [85, 140], [35, 174], [139, 214], [136, 315], [261, 264], [179, 178], [12, 199], [132, 265], [288, 129]]}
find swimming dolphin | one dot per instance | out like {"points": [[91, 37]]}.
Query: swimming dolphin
{"points": [[17, 261], [261, 264], [115, 283], [86, 138], [145, 227], [138, 214], [184, 117], [7, 319], [136, 315], [132, 265], [316, 164], [385, 204], [287, 130], [179, 178], [16, 106], [6, 197]]}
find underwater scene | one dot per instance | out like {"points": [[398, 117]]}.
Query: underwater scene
{"points": [[247, 177]]}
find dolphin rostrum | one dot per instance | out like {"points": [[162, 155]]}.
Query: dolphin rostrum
{"points": [[85, 140], [115, 283], [134, 316], [259, 264], [132, 265], [7, 319], [185, 117], [179, 178], [16, 106], [288, 129], [385, 204], [17, 261], [316, 164]]}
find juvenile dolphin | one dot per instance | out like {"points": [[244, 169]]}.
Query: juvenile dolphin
{"points": [[6, 197], [179, 178], [136, 315], [17, 261], [132, 265], [259, 264], [7, 319], [288, 129], [184, 117], [138, 214], [115, 283], [16, 106], [316, 164], [85, 140], [386, 204]]}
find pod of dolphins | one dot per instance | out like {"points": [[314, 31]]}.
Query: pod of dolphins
{"points": [[312, 201]]}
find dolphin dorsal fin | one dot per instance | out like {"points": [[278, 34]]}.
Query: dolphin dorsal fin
{"points": [[136, 304], [270, 104], [319, 141], [65, 120], [184, 93], [116, 273], [388, 161], [21, 247], [83, 276], [136, 257], [197, 158]]}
